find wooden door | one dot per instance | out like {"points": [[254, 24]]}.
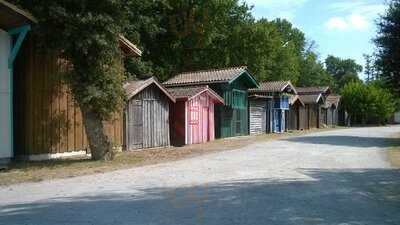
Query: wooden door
{"points": [[134, 139]]}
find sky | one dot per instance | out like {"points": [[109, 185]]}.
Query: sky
{"points": [[343, 28]]}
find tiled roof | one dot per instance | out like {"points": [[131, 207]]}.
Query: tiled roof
{"points": [[188, 92], [332, 100], [206, 76], [310, 98], [312, 90], [132, 88], [273, 86]]}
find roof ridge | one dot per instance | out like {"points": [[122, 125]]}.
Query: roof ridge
{"points": [[213, 70]]}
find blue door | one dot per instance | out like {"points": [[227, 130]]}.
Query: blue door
{"points": [[277, 121]]}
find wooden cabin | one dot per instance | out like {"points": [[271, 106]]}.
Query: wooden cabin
{"points": [[313, 111], [332, 110], [295, 106], [269, 107], [192, 116], [147, 115], [231, 119], [48, 122], [14, 26]]}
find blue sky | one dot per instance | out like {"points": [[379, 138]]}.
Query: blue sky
{"points": [[343, 28]]}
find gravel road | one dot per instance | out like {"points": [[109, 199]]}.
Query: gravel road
{"points": [[339, 177]]}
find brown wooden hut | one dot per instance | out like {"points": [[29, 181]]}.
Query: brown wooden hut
{"points": [[332, 107], [48, 122], [294, 122], [313, 112], [147, 114]]}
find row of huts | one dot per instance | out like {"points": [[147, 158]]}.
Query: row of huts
{"points": [[40, 119]]}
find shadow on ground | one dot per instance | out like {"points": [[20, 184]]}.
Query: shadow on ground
{"points": [[367, 197], [350, 141]]}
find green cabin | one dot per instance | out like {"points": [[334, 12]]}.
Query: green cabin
{"points": [[232, 118]]}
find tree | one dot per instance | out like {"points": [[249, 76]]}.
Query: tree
{"points": [[86, 34], [313, 72], [367, 103], [387, 42], [369, 69], [342, 70]]}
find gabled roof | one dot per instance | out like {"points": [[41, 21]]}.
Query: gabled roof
{"points": [[133, 88], [227, 75], [274, 86], [332, 100], [313, 90], [311, 98], [128, 47], [189, 92], [295, 98], [11, 16]]}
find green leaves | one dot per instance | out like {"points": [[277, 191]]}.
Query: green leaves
{"points": [[367, 103], [387, 42]]}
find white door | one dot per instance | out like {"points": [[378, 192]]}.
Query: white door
{"points": [[5, 97]]}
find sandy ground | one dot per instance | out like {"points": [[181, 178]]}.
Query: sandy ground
{"points": [[338, 177]]}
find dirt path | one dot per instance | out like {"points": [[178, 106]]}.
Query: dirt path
{"points": [[334, 177]]}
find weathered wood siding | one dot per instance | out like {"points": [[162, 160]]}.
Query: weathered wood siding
{"points": [[258, 116], [313, 116], [304, 117], [177, 120], [323, 118], [294, 114], [46, 117], [147, 124], [231, 119], [200, 119]]}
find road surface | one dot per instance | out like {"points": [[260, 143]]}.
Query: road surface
{"points": [[339, 177]]}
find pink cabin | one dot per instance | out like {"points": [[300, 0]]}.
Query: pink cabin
{"points": [[192, 116]]}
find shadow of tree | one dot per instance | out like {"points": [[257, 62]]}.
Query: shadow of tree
{"points": [[350, 141], [367, 197]]}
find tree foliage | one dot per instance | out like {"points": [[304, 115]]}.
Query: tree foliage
{"points": [[387, 42], [367, 103], [343, 71]]}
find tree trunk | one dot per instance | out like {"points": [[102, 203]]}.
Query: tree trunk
{"points": [[100, 144]]}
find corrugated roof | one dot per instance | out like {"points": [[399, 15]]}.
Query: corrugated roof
{"points": [[274, 86], [132, 88], [189, 92], [208, 76], [313, 90], [310, 98]]}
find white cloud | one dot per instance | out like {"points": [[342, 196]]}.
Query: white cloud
{"points": [[348, 23], [277, 8], [358, 15], [337, 23]]}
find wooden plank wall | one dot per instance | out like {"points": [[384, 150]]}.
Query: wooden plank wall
{"points": [[200, 119], [155, 116], [294, 117], [46, 117], [257, 116]]}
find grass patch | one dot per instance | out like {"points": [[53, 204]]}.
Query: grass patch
{"points": [[20, 172], [394, 155]]}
